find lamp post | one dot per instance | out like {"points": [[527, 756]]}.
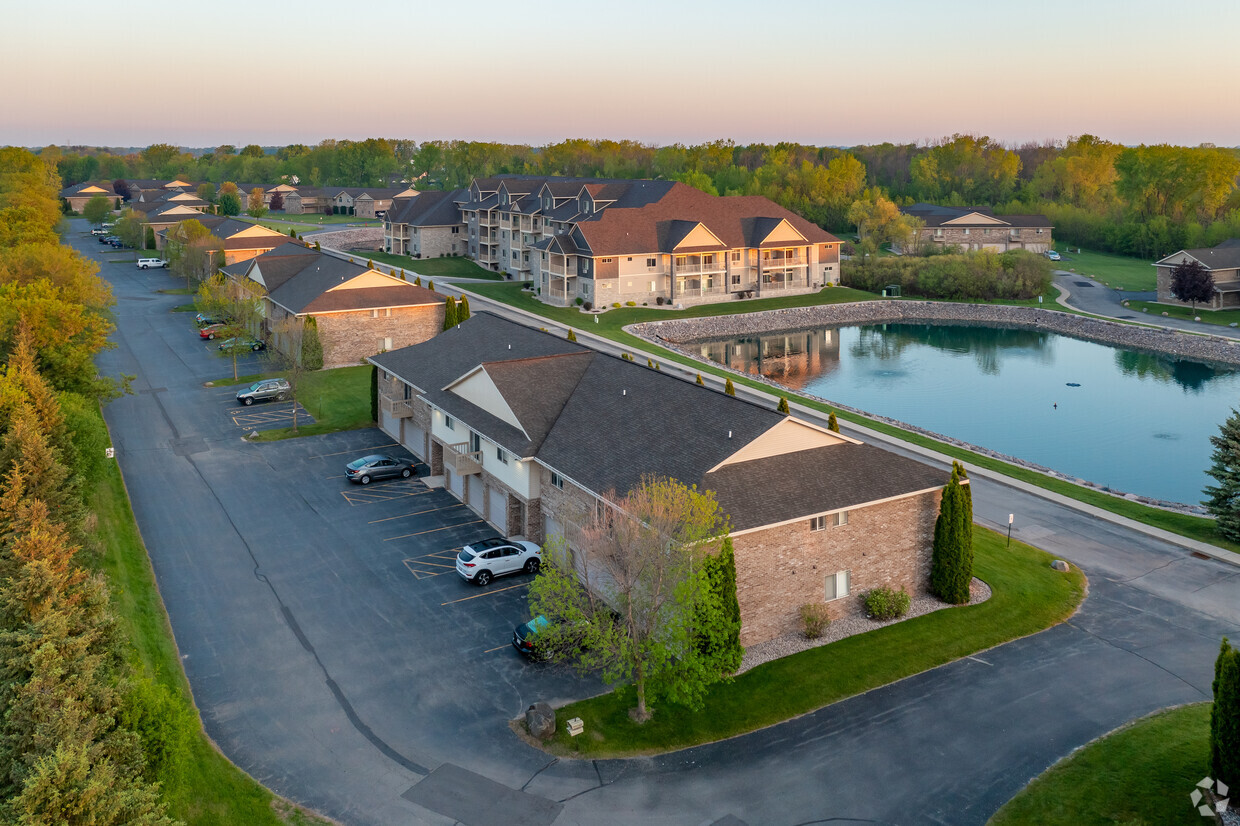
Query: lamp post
{"points": [[1011, 519]]}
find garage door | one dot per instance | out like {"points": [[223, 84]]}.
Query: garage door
{"points": [[499, 509], [389, 424], [551, 527], [455, 483], [415, 440], [476, 492]]}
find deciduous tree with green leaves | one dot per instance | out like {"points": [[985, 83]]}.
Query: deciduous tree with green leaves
{"points": [[241, 308], [193, 252], [97, 209], [256, 206], [639, 597]]}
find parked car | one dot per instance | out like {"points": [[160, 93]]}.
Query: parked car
{"points": [[147, 263], [481, 562], [265, 390], [99, 231], [242, 343], [108, 224], [211, 331], [114, 241], [377, 466], [203, 319], [103, 238], [525, 637], [1054, 256]]}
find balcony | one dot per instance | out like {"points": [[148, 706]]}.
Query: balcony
{"points": [[461, 459], [397, 408], [774, 264], [700, 269]]}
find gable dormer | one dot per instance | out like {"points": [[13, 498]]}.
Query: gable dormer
{"points": [[478, 388], [976, 218], [585, 203]]}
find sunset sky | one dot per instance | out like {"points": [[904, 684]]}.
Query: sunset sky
{"points": [[824, 72]]}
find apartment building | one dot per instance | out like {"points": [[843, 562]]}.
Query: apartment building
{"points": [[615, 241], [978, 228], [531, 431]]}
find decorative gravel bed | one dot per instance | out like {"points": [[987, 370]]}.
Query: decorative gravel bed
{"points": [[839, 629]]}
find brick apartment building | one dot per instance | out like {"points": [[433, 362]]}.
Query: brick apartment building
{"points": [[977, 228], [530, 430], [1223, 263], [613, 241]]}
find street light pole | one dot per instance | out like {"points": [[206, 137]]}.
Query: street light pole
{"points": [[1011, 518]]}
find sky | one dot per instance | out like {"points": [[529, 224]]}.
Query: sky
{"points": [[823, 73]]}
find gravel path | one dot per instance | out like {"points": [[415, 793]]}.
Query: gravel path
{"points": [[839, 629]]}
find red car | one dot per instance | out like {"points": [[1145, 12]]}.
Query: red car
{"points": [[211, 331]]}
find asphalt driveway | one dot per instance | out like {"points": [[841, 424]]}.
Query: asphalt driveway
{"points": [[333, 660]]}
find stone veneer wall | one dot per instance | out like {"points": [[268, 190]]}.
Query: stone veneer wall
{"points": [[780, 569], [1132, 336]]}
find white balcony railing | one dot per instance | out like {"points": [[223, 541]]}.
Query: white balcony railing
{"points": [[699, 269]]}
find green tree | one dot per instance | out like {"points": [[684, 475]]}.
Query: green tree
{"points": [[729, 388], [634, 598], [131, 228], [1225, 717], [449, 313], [719, 616], [97, 210], [311, 344], [206, 192], [256, 207], [193, 252], [783, 406], [1224, 497], [571, 335], [462, 309], [951, 564], [699, 380], [240, 305], [229, 203], [374, 393], [833, 423]]}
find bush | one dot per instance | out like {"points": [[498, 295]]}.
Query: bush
{"points": [[580, 301], [615, 304], [588, 306], [814, 619], [887, 603], [659, 300], [630, 303], [970, 276]]}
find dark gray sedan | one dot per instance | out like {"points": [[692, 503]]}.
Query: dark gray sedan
{"points": [[377, 467], [265, 390]]}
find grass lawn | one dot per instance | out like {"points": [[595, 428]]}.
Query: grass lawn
{"points": [[1028, 596], [338, 399], [1220, 317], [610, 323], [211, 791], [1118, 271], [176, 291], [1140, 774]]}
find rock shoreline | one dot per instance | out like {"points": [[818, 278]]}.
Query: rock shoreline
{"points": [[675, 334], [1132, 336]]}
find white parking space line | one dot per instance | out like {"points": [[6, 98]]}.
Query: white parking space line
{"points": [[360, 450]]}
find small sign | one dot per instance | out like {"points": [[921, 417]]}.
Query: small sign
{"points": [[109, 452], [575, 726]]}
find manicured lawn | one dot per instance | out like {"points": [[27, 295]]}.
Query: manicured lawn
{"points": [[610, 323], [311, 219], [1028, 596], [1118, 271], [1220, 317], [337, 399], [176, 291], [211, 790], [1141, 774]]}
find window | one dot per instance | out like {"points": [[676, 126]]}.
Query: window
{"points": [[818, 523], [501, 454], [387, 344], [475, 442], [557, 481], [938, 232], [455, 230], [630, 258], [986, 231], [387, 312], [651, 262], [838, 519], [606, 260], [966, 231], [834, 520], [837, 585], [736, 257], [736, 279]]}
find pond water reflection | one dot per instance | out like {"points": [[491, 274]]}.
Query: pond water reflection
{"points": [[1137, 422]]}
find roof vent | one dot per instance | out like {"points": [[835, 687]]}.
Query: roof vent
{"points": [[624, 392], [509, 346], [729, 434]]}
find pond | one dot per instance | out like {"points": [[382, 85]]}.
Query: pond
{"points": [[1135, 422]]}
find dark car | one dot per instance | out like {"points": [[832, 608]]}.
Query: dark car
{"points": [[242, 343], [525, 636], [265, 390], [377, 467], [204, 320]]}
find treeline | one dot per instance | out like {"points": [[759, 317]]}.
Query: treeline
{"points": [[1143, 200], [84, 738], [981, 276]]}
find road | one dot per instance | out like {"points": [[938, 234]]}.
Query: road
{"points": [[314, 675]]}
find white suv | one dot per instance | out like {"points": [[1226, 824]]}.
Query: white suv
{"points": [[481, 562], [145, 263]]}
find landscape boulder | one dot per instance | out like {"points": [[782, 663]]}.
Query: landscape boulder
{"points": [[540, 720], [1060, 565]]}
